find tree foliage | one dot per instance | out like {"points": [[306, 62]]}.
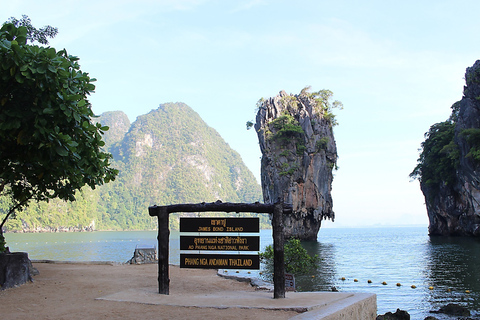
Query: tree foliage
{"points": [[287, 127], [472, 135], [34, 34], [439, 157], [324, 104], [50, 147]]}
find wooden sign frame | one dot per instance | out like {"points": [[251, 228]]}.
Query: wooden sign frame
{"points": [[277, 211]]}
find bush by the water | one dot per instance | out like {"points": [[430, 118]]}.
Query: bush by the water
{"points": [[297, 259]]}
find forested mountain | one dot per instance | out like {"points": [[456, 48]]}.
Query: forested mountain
{"points": [[167, 156]]}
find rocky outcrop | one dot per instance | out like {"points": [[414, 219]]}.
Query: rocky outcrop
{"points": [[144, 255], [298, 155], [453, 309], [397, 315], [454, 208], [14, 269]]}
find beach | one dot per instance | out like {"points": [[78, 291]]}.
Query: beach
{"points": [[72, 291]]}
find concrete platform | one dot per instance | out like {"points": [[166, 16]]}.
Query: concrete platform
{"points": [[310, 305]]}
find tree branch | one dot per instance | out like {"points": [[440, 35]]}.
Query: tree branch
{"points": [[12, 210]]}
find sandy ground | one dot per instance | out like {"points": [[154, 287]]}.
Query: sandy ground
{"points": [[68, 291]]}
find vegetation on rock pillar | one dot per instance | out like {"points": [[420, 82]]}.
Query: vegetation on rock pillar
{"points": [[439, 156], [50, 148]]}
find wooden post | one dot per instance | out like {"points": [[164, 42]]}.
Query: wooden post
{"points": [[278, 252], [163, 249]]}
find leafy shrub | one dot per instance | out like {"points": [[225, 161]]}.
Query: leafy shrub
{"points": [[297, 260], [300, 148], [438, 161], [322, 143], [472, 135], [288, 127]]}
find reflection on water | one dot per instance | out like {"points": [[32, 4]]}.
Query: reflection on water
{"points": [[393, 255], [324, 277], [407, 256], [452, 268]]}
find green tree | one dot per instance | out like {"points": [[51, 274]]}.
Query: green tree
{"points": [[50, 148], [34, 34], [297, 260], [439, 157]]}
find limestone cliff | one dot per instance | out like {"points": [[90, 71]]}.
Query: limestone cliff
{"points": [[453, 205], [298, 155]]}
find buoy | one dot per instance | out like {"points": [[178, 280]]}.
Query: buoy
{"points": [[430, 288], [414, 286], [355, 280], [467, 291], [399, 284], [313, 276], [369, 281], [448, 290], [342, 278], [237, 271], [384, 283]]}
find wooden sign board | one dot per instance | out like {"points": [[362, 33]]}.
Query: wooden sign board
{"points": [[289, 282], [220, 261], [220, 243], [219, 224]]}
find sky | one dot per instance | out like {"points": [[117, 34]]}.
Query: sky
{"points": [[397, 67]]}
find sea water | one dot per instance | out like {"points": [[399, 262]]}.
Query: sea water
{"points": [[442, 269]]}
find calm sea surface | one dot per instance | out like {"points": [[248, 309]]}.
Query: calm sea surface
{"points": [[442, 269]]}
